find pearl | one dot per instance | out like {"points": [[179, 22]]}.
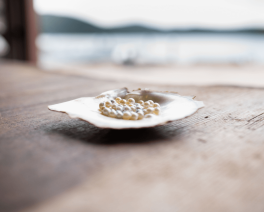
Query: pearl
{"points": [[134, 116], [150, 102], [118, 99], [157, 110], [102, 108], [149, 116], [146, 105], [102, 104], [119, 107], [133, 108], [108, 103], [139, 110], [131, 101], [139, 107], [106, 111], [119, 114], [140, 115], [130, 105], [126, 115], [150, 110], [141, 102], [122, 101], [126, 108], [112, 113], [113, 101], [156, 105], [114, 106]]}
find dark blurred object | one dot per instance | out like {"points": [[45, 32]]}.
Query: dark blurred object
{"points": [[3, 44], [2, 21], [20, 30]]}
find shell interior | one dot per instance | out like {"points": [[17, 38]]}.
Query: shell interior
{"points": [[173, 107]]}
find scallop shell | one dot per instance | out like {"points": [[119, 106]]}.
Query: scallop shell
{"points": [[173, 107]]}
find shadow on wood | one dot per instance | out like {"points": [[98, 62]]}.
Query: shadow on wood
{"points": [[86, 132]]}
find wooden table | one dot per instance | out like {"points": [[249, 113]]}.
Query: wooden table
{"points": [[211, 161]]}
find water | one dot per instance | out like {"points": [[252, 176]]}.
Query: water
{"points": [[183, 48]]}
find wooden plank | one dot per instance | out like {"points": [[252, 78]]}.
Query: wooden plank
{"points": [[211, 161]]}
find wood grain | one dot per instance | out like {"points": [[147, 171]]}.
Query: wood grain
{"points": [[198, 75], [211, 161]]}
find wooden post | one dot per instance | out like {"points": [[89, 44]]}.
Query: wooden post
{"points": [[21, 30]]}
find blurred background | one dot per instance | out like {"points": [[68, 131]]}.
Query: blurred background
{"points": [[132, 32]]}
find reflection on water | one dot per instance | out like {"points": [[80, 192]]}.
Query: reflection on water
{"points": [[154, 48]]}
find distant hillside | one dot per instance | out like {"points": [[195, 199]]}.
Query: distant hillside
{"points": [[60, 24]]}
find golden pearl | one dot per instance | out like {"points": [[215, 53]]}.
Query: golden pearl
{"points": [[133, 108], [140, 115], [118, 99], [146, 105], [126, 115], [122, 101], [131, 101], [141, 102], [108, 103], [134, 116], [102, 104], [130, 105], [156, 105], [150, 110], [102, 108], [157, 110], [151, 102], [106, 111]]}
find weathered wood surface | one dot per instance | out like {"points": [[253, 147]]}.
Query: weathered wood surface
{"points": [[211, 161], [199, 75]]}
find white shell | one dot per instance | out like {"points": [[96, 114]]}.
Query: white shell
{"points": [[173, 107]]}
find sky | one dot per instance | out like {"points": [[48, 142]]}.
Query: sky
{"points": [[218, 14]]}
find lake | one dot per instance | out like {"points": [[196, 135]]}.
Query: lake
{"points": [[156, 48]]}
